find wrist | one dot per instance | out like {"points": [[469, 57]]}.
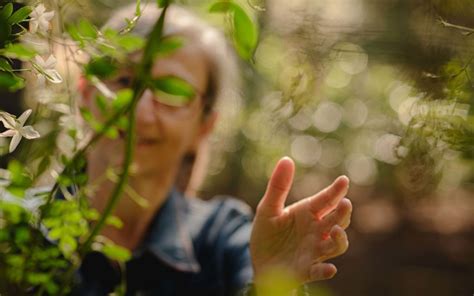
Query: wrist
{"points": [[275, 281]]}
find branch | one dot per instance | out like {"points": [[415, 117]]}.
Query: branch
{"points": [[466, 30]]}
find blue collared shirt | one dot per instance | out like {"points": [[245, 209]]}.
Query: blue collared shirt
{"points": [[192, 247]]}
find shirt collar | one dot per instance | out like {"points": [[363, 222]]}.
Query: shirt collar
{"points": [[169, 238]]}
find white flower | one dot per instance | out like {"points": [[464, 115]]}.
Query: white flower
{"points": [[38, 43], [39, 19], [5, 178], [44, 95], [104, 90], [46, 70], [16, 128]]}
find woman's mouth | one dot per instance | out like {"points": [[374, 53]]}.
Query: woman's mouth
{"points": [[140, 140], [146, 141]]}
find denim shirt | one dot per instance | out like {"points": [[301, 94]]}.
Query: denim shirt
{"points": [[192, 247]]}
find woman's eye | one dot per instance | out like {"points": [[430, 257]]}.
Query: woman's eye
{"points": [[124, 81]]}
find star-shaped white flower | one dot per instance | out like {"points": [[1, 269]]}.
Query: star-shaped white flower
{"points": [[39, 19], [16, 128], [46, 70]]}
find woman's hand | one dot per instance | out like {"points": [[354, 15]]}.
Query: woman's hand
{"points": [[300, 237]]}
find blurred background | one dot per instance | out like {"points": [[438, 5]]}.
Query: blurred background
{"points": [[379, 90]]}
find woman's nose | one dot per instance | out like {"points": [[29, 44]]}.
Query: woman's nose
{"points": [[145, 108]]}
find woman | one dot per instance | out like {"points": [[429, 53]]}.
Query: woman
{"points": [[186, 246]]}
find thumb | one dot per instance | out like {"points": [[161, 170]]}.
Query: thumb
{"points": [[273, 201]]}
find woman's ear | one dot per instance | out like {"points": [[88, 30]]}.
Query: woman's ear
{"points": [[207, 126]]}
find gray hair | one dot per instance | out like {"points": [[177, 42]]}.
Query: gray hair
{"points": [[223, 80]]}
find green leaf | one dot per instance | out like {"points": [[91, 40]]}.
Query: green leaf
{"points": [[19, 176], [36, 278], [138, 10], [19, 51], [55, 233], [103, 67], [91, 214], [151, 47], [11, 81], [74, 34], [101, 103], [22, 235], [122, 123], [20, 15], [111, 132], [5, 32], [87, 115], [116, 252], [174, 86], [169, 45], [6, 11], [162, 3], [67, 244], [115, 222], [86, 29], [245, 33], [130, 42], [222, 7], [123, 98], [244, 30], [5, 65]]}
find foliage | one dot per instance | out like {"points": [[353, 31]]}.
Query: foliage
{"points": [[44, 232], [308, 88]]}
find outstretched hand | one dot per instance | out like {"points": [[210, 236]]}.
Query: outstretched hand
{"points": [[302, 236]]}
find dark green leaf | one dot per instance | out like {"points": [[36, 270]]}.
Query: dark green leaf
{"points": [[5, 65], [20, 15], [5, 32], [151, 47], [36, 278], [162, 3], [11, 81], [22, 235], [103, 67], [174, 86], [6, 11]]}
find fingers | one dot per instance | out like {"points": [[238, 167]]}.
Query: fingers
{"points": [[321, 271], [326, 200], [273, 201], [340, 216], [334, 246]]}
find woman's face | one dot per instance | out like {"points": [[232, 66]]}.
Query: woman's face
{"points": [[164, 133]]}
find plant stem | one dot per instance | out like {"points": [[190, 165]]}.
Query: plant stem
{"points": [[138, 89]]}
